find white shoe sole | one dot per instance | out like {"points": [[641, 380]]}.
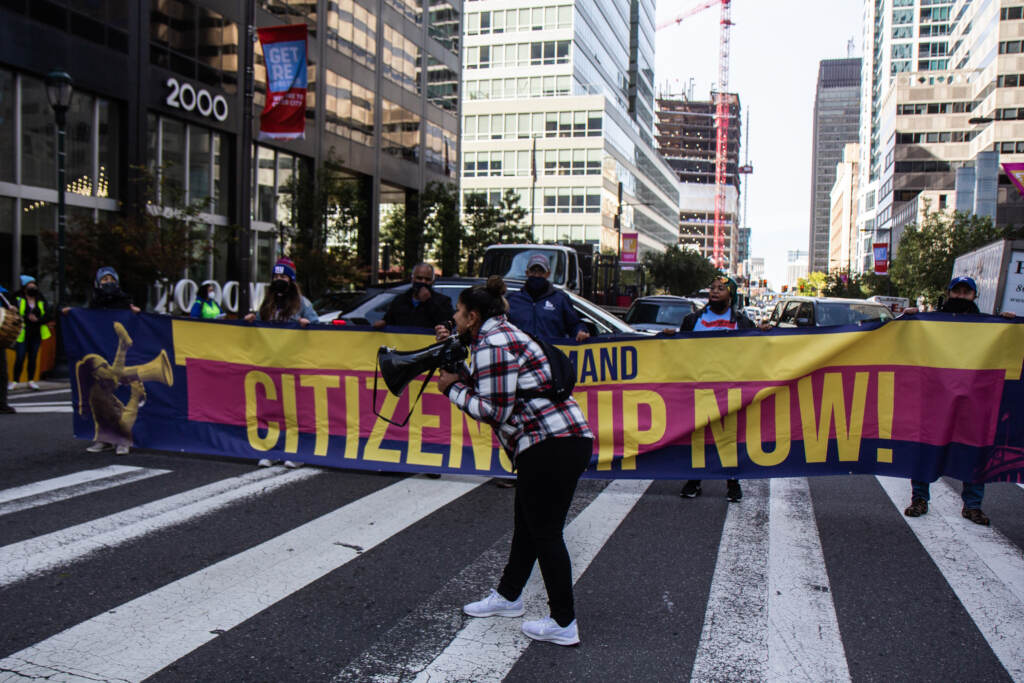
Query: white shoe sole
{"points": [[557, 640], [495, 613]]}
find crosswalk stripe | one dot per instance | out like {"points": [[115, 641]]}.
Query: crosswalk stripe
{"points": [[487, 649], [804, 643], [71, 485], [29, 408], [50, 392], [35, 555], [41, 404], [983, 567], [734, 639], [141, 637]]}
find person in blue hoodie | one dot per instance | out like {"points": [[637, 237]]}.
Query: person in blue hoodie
{"points": [[543, 310]]}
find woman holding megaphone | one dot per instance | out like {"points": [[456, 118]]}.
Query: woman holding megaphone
{"points": [[550, 446]]}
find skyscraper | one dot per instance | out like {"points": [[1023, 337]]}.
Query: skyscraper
{"points": [[836, 123], [559, 108]]}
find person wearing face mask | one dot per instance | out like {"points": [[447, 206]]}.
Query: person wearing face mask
{"points": [[5, 409], [35, 312], [421, 306], [719, 314], [283, 300], [543, 310], [205, 306], [960, 296], [550, 446]]}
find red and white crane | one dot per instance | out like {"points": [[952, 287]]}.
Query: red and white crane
{"points": [[721, 115]]}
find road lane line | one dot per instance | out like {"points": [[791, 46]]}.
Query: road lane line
{"points": [[40, 403], [734, 639], [50, 392], [804, 643], [487, 649], [42, 553], [983, 567], [70, 486], [141, 637], [44, 409]]}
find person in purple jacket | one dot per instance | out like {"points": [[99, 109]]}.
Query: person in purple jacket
{"points": [[543, 310]]}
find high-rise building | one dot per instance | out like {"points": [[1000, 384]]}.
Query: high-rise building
{"points": [[836, 123], [842, 239], [559, 108], [796, 266], [157, 83], [687, 139]]}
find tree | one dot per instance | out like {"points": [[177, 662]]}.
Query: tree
{"points": [[158, 240], [679, 271], [812, 285], [441, 226], [487, 225], [923, 262]]}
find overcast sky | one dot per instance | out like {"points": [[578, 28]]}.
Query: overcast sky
{"points": [[775, 49]]}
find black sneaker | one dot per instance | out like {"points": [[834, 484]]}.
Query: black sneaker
{"points": [[691, 489], [733, 491], [918, 507]]}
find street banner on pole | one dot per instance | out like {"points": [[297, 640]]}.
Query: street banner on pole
{"points": [[630, 246], [881, 254], [284, 54], [916, 397], [1016, 174]]}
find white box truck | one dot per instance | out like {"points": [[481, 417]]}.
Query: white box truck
{"points": [[998, 270]]}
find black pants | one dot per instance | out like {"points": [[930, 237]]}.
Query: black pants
{"points": [[3, 377], [28, 348], [545, 483]]}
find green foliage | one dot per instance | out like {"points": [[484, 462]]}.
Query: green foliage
{"points": [[487, 225], [145, 245], [328, 235], [442, 228], [812, 285], [855, 285], [923, 261], [679, 271]]}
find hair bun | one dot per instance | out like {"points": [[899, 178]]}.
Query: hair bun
{"points": [[496, 286]]}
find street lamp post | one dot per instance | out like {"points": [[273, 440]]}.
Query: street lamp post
{"points": [[59, 88]]}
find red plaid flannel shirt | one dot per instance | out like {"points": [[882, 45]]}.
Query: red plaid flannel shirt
{"points": [[504, 359]]}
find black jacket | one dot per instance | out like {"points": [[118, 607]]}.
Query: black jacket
{"points": [[742, 321], [101, 299], [436, 310]]}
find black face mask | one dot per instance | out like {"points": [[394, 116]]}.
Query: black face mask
{"points": [[279, 287], [417, 286], [32, 291], [535, 284], [953, 305], [109, 288]]}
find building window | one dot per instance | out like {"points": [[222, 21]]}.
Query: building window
{"points": [[349, 109], [400, 131], [400, 59], [444, 24], [352, 30], [442, 85], [187, 160], [1011, 13], [194, 42], [411, 9]]}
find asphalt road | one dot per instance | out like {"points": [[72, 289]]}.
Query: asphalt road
{"points": [[176, 567]]}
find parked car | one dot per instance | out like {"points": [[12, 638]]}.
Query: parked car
{"points": [[660, 312], [335, 303], [809, 311], [597, 320]]}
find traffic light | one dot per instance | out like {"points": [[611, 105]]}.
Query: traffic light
{"points": [[785, 288]]}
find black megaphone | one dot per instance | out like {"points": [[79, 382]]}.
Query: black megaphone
{"points": [[400, 368]]}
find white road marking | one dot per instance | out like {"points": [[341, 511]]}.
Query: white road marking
{"points": [[487, 649], [35, 555], [804, 643], [40, 403], [70, 486], [22, 394], [734, 641], [141, 637], [983, 567], [29, 408]]}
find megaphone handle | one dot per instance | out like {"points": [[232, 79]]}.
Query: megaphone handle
{"points": [[423, 386]]}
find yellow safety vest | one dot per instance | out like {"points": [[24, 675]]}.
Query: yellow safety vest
{"points": [[210, 310], [44, 330]]}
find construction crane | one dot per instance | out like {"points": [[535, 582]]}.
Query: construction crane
{"points": [[721, 115]]}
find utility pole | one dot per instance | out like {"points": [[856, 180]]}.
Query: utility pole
{"points": [[245, 167]]}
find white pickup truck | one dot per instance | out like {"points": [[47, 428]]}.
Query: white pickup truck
{"points": [[509, 261]]}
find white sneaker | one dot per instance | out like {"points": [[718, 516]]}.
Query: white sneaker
{"points": [[98, 447], [122, 450], [32, 385], [494, 605], [292, 465], [547, 629], [264, 462], [11, 386]]}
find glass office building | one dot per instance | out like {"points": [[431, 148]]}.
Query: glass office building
{"points": [[158, 84]]}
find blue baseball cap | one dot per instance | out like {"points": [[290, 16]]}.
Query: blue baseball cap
{"points": [[962, 280]]}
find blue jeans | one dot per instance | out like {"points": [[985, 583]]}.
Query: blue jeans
{"points": [[971, 494]]}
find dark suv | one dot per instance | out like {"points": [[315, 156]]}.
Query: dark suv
{"points": [[657, 313], [810, 311]]}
